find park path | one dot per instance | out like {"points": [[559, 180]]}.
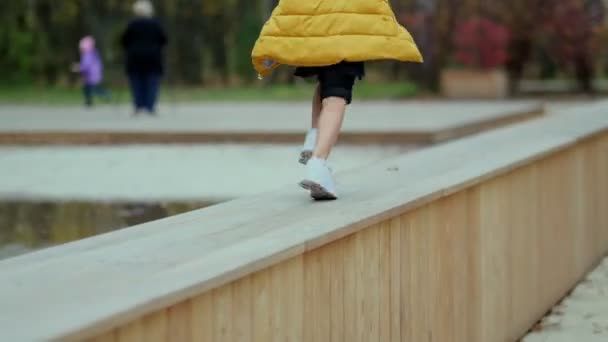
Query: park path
{"points": [[282, 122], [207, 172], [153, 173], [583, 316]]}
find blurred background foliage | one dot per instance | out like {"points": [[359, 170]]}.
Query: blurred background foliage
{"points": [[211, 40]]}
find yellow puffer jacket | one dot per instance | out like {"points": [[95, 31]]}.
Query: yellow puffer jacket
{"points": [[326, 32]]}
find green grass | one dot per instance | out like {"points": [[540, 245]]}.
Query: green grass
{"points": [[73, 95]]}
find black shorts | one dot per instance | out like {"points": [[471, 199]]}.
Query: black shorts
{"points": [[335, 80]]}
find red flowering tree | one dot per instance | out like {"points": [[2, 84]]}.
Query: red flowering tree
{"points": [[572, 28], [481, 43]]}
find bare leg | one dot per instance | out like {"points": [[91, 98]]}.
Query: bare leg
{"points": [[312, 136], [330, 123], [316, 108]]}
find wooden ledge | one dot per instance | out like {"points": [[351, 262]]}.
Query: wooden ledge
{"points": [[88, 287], [407, 123]]}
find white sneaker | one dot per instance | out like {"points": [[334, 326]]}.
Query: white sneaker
{"points": [[309, 146], [319, 180]]}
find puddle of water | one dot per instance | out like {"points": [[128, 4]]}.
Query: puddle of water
{"points": [[26, 227]]}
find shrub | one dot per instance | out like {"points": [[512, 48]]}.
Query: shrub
{"points": [[481, 43]]}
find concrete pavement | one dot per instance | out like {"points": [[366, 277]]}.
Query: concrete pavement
{"points": [[155, 173], [380, 122], [583, 316]]}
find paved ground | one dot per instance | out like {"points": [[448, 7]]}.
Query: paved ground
{"points": [[202, 172], [581, 317], [162, 173], [565, 87], [187, 172], [220, 172], [259, 117]]}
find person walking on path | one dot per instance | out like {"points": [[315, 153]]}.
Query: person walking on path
{"points": [[91, 70], [143, 42], [329, 40]]}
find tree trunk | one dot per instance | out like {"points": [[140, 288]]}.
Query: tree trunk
{"points": [[520, 51]]}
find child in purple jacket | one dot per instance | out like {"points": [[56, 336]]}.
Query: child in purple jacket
{"points": [[91, 69]]}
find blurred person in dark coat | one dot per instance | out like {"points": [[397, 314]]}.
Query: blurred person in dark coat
{"points": [[144, 41]]}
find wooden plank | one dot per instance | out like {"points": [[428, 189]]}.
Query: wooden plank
{"points": [[203, 318], [494, 227], [597, 156], [457, 307], [416, 276], [317, 294], [440, 273], [180, 138], [155, 327], [179, 327], [242, 309], [132, 332], [214, 247], [556, 222], [287, 288], [223, 313], [602, 203], [407, 123], [483, 229], [262, 306], [367, 318], [351, 313], [473, 260], [109, 337], [592, 183], [464, 130], [581, 215], [336, 260], [385, 137], [524, 284], [384, 281], [396, 297]]}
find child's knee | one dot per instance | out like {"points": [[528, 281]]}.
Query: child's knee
{"points": [[336, 102]]}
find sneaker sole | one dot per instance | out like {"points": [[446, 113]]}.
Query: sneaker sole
{"points": [[305, 157], [317, 192]]}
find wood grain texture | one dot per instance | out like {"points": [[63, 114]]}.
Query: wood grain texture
{"points": [[109, 337], [179, 327], [494, 227], [223, 309], [445, 221], [337, 294], [482, 265], [395, 313], [317, 293], [242, 310], [287, 287], [203, 314], [263, 304], [154, 327], [131, 332], [523, 245]]}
